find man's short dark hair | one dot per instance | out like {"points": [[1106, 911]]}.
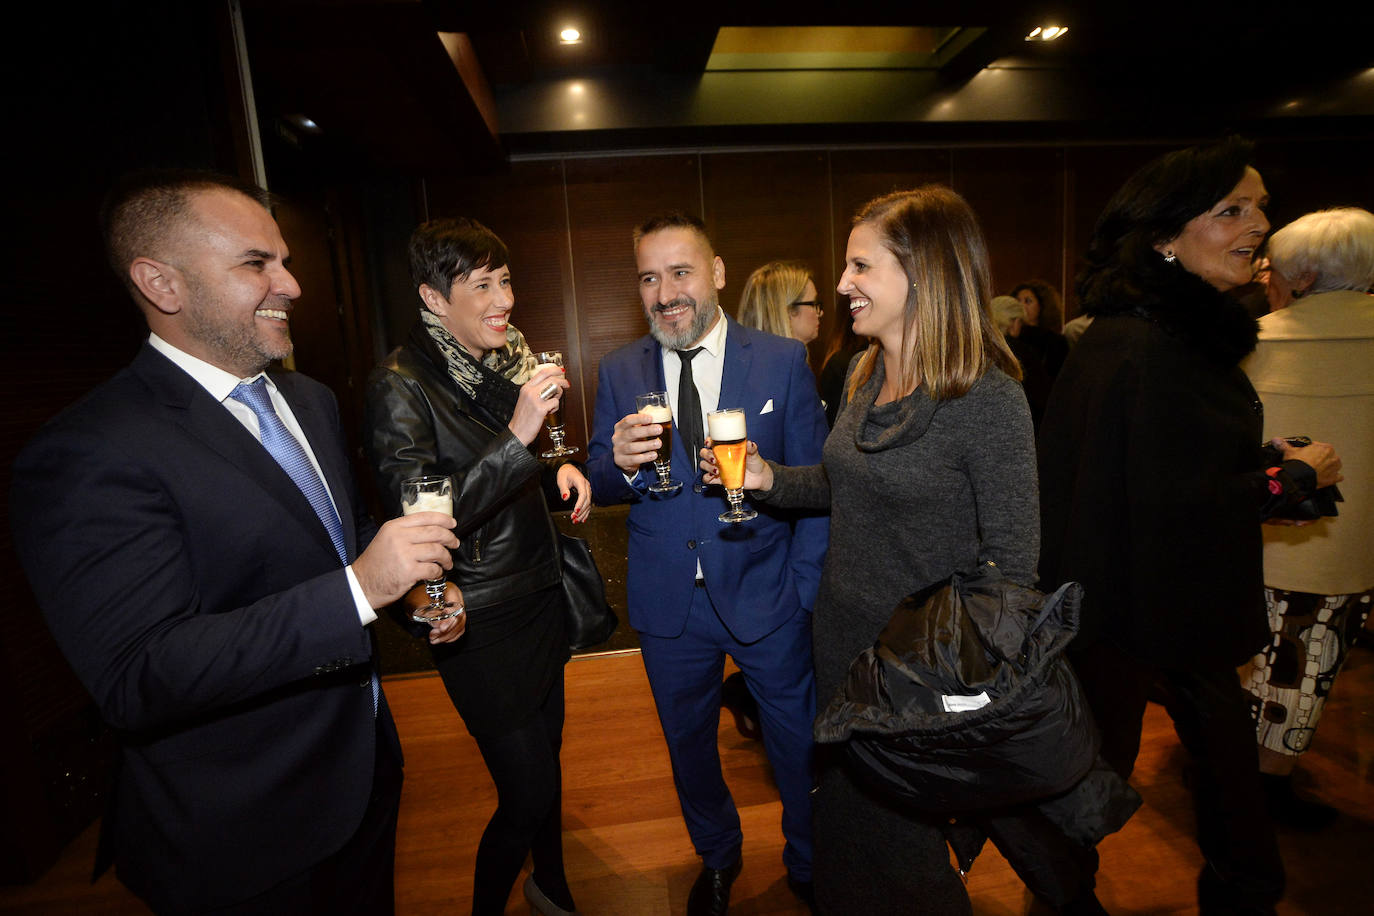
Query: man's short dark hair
{"points": [[143, 209], [443, 251], [672, 219]]}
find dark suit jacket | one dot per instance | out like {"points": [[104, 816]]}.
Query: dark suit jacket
{"points": [[198, 597], [757, 573]]}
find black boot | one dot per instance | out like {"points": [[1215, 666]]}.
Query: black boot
{"points": [[1288, 809]]}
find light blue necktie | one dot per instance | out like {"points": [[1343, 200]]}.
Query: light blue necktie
{"points": [[287, 451]]}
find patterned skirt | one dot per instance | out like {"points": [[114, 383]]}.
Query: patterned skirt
{"points": [[1290, 680]]}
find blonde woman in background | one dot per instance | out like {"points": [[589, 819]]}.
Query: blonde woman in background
{"points": [[780, 298]]}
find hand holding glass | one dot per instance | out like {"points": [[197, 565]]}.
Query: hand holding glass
{"points": [[730, 445], [430, 494], [553, 420], [655, 406]]}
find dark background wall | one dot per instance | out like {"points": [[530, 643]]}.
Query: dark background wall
{"points": [[567, 222]]}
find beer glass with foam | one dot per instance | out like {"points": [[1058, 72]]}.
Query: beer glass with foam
{"points": [[655, 406], [433, 493], [729, 443], [553, 420]]}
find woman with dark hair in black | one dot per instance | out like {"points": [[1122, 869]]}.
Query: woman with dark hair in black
{"points": [[466, 397], [1042, 328], [1153, 485]]}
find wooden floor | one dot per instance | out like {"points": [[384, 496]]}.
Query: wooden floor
{"points": [[628, 852]]}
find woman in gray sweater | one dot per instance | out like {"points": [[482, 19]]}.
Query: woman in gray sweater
{"points": [[930, 470]]}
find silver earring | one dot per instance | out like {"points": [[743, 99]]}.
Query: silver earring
{"points": [[1169, 257]]}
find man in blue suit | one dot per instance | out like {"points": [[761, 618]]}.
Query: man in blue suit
{"points": [[699, 588], [195, 541]]}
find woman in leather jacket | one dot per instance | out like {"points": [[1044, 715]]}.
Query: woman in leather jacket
{"points": [[463, 396]]}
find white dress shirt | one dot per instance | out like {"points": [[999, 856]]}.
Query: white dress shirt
{"points": [[220, 384], [708, 367]]}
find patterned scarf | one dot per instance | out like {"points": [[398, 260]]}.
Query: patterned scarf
{"points": [[493, 381]]}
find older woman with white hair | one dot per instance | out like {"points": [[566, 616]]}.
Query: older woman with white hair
{"points": [[1311, 370]]}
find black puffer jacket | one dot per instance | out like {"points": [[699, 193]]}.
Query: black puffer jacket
{"points": [[418, 421], [978, 638]]}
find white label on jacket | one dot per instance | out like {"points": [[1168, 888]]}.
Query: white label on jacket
{"points": [[965, 704]]}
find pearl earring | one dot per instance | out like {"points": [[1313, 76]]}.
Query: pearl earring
{"points": [[1169, 257]]}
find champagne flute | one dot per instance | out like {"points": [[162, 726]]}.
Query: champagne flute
{"points": [[729, 444], [553, 420], [655, 405], [430, 494]]}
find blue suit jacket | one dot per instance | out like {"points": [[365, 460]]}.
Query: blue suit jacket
{"points": [[757, 573], [198, 597]]}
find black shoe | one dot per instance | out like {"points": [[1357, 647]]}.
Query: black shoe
{"points": [[735, 696], [805, 891], [711, 893], [1288, 809], [540, 903], [1217, 898]]}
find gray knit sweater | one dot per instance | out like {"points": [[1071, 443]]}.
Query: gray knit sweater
{"points": [[917, 490]]}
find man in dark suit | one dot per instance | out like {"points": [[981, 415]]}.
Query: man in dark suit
{"points": [[195, 541], [699, 588]]}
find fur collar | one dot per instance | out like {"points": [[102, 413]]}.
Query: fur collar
{"points": [[1186, 307]]}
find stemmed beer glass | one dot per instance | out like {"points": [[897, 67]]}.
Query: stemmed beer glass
{"points": [[553, 420], [655, 406], [729, 444], [433, 493]]}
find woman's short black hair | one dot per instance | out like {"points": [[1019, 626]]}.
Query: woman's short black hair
{"points": [[1153, 206], [443, 251]]}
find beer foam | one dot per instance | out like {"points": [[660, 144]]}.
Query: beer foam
{"points": [[659, 414], [429, 502], [726, 427]]}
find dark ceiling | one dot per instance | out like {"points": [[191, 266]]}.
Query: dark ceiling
{"points": [[375, 76]]}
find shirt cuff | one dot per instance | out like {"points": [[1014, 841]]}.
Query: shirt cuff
{"points": [[365, 613]]}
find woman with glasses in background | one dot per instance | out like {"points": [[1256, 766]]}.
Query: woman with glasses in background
{"points": [[780, 298]]}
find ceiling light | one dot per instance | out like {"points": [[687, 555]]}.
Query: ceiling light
{"points": [[1047, 33], [570, 36]]}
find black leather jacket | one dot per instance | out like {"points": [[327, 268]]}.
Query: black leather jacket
{"points": [[417, 421]]}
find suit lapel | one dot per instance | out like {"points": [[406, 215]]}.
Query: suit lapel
{"points": [[210, 424], [739, 355]]}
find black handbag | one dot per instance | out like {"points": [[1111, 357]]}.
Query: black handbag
{"points": [[590, 618]]}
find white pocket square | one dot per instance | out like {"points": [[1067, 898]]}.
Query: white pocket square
{"points": [[767, 408]]}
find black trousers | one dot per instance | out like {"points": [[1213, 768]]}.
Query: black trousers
{"points": [[524, 765], [1211, 714]]}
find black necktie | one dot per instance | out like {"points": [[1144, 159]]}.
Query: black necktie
{"points": [[688, 411]]}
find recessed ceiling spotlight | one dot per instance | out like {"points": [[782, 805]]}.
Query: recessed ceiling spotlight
{"points": [[1047, 33], [570, 36]]}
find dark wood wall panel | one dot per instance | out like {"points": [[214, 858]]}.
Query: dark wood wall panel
{"points": [[763, 207], [525, 207], [858, 176], [1018, 195], [607, 198], [1092, 174]]}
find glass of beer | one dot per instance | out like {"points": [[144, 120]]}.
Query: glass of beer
{"points": [[430, 494], [729, 444], [553, 420], [655, 406]]}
